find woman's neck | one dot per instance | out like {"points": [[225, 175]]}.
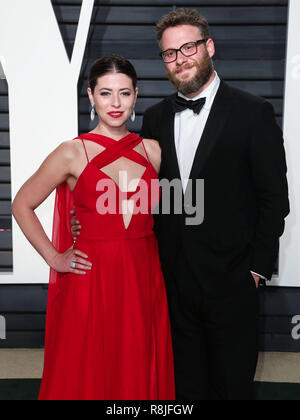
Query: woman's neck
{"points": [[116, 133]]}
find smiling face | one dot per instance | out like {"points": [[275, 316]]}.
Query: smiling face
{"points": [[114, 98], [191, 74]]}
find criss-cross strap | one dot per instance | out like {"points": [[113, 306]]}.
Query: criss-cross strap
{"points": [[86, 154], [130, 154], [116, 149]]}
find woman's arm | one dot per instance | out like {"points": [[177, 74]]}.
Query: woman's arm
{"points": [[55, 170]]}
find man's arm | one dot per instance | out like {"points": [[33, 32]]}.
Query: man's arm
{"points": [[268, 165], [148, 131], [75, 225]]}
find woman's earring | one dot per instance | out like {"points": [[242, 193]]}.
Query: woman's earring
{"points": [[133, 116], [93, 113]]}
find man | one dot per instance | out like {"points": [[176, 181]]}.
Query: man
{"points": [[213, 270], [229, 139]]}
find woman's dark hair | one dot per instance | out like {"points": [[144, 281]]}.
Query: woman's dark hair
{"points": [[109, 64]]}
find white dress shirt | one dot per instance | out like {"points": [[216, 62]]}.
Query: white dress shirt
{"points": [[189, 128]]}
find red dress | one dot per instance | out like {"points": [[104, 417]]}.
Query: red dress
{"points": [[108, 332]]}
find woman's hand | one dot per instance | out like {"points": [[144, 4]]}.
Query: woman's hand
{"points": [[62, 262]]}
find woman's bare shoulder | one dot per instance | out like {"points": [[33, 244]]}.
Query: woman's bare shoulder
{"points": [[69, 149], [153, 146], [154, 151]]}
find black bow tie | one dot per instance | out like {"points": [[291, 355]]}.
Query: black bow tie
{"points": [[181, 104]]}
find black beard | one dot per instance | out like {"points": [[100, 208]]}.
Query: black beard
{"points": [[205, 70]]}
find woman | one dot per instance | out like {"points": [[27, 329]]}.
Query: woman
{"points": [[107, 332]]}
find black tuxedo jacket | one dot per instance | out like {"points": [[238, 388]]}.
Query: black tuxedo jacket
{"points": [[241, 159]]}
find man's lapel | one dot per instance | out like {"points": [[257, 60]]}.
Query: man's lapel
{"points": [[171, 160], [218, 116]]}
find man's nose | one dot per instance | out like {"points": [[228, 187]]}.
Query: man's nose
{"points": [[181, 58]]}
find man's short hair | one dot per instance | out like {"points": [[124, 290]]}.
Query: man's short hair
{"points": [[182, 17]]}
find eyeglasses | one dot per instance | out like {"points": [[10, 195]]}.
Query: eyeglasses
{"points": [[188, 49]]}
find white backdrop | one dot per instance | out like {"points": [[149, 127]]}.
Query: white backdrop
{"points": [[43, 112], [289, 264], [43, 108]]}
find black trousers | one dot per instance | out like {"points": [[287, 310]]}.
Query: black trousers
{"points": [[214, 323]]}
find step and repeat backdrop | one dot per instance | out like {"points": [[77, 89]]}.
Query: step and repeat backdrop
{"points": [[46, 49]]}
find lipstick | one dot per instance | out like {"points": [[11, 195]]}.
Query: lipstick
{"points": [[115, 114]]}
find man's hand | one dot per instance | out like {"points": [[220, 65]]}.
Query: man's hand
{"points": [[256, 279], [75, 225]]}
